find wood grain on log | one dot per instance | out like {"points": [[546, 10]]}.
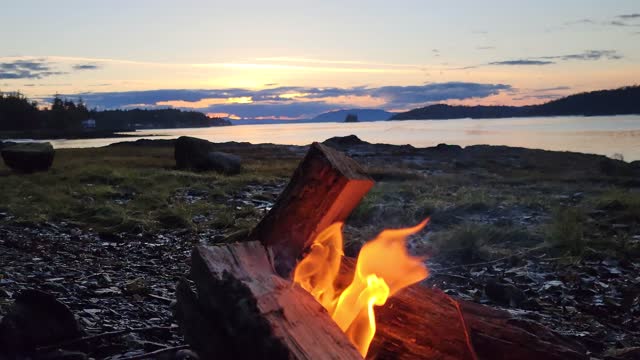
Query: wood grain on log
{"points": [[243, 310], [325, 188]]}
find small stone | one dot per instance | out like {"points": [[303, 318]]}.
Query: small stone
{"points": [[108, 291], [136, 287], [505, 294]]}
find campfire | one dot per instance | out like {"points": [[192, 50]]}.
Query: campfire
{"points": [[383, 268], [288, 292]]}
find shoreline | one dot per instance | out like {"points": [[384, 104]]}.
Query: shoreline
{"points": [[356, 141], [40, 136]]}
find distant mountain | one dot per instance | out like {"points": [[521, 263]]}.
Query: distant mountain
{"points": [[361, 114], [622, 101]]}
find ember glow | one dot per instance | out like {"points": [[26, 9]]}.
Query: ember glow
{"points": [[383, 268]]}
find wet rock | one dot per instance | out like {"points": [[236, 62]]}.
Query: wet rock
{"points": [[36, 319], [28, 157]]}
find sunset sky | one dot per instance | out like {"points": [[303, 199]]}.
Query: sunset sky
{"points": [[296, 59]]}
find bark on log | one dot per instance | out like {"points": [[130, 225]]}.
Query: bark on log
{"points": [[243, 310], [438, 327], [325, 188]]}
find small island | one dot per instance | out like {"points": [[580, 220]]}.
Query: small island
{"points": [[351, 118]]}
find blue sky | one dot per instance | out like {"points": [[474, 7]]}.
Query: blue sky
{"points": [[517, 52]]}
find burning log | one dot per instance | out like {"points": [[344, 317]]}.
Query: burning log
{"points": [[324, 189], [424, 323], [244, 308]]}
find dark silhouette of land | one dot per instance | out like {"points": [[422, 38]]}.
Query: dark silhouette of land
{"points": [[351, 118], [622, 101], [21, 117]]}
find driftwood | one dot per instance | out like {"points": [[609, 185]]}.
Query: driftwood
{"points": [[245, 309]]}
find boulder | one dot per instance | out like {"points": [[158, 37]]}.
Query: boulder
{"points": [[28, 157], [344, 141], [448, 148], [199, 155], [36, 319], [224, 163]]}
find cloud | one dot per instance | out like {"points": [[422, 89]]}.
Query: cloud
{"points": [[292, 101], [589, 55], [581, 21], [27, 69], [539, 97], [612, 22], [629, 16], [522, 62], [485, 47], [409, 96], [79, 67], [555, 88]]}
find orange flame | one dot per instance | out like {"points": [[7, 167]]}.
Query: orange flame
{"points": [[383, 268]]}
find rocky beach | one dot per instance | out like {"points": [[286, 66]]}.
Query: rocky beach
{"points": [[552, 237]]}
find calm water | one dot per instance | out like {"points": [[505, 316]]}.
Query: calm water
{"points": [[605, 135]]}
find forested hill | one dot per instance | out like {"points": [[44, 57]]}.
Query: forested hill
{"points": [[153, 119], [622, 101], [19, 114]]}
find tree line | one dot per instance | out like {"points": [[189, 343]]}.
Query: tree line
{"points": [[20, 114]]}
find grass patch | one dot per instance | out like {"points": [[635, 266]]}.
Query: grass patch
{"points": [[470, 242], [567, 230], [132, 189], [625, 202]]}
